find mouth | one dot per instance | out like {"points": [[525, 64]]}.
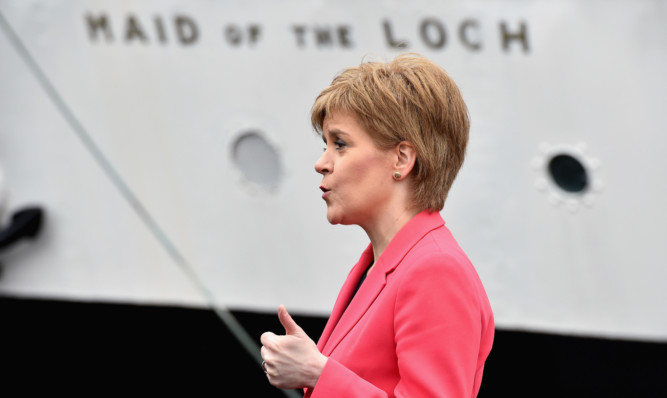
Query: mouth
{"points": [[325, 191]]}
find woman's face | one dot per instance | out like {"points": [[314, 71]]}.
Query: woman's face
{"points": [[356, 175]]}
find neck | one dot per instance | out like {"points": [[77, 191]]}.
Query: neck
{"points": [[383, 230]]}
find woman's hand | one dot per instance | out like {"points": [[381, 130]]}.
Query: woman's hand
{"points": [[292, 360]]}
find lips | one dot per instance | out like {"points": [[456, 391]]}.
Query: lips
{"points": [[325, 191]]}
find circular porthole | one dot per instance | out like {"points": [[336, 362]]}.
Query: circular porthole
{"points": [[568, 173], [257, 159]]}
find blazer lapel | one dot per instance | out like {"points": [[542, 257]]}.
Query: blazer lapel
{"points": [[345, 295], [366, 295], [347, 313]]}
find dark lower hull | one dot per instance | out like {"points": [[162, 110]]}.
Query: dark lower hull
{"points": [[79, 347]]}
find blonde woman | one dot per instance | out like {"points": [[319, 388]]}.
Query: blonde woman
{"points": [[412, 319]]}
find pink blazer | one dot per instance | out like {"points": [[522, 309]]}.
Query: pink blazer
{"points": [[419, 326]]}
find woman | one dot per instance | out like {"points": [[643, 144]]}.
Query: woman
{"points": [[412, 319]]}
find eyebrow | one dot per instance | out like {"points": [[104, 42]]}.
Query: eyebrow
{"points": [[337, 133]]}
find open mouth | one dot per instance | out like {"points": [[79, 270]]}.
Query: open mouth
{"points": [[325, 191]]}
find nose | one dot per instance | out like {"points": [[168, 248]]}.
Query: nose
{"points": [[323, 164]]}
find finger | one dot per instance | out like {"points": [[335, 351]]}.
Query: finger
{"points": [[268, 339], [291, 328], [267, 370], [270, 369]]}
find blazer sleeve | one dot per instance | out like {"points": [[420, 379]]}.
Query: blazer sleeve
{"points": [[439, 330]]}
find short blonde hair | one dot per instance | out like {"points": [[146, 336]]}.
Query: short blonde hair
{"points": [[408, 99]]}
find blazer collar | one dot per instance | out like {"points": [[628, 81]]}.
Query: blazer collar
{"points": [[344, 316]]}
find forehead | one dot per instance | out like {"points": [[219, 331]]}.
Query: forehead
{"points": [[342, 122]]}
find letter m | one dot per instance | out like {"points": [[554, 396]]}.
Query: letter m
{"points": [[97, 24]]}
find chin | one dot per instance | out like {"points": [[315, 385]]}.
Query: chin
{"points": [[333, 220], [340, 219], [334, 217]]}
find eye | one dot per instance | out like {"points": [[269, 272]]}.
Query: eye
{"points": [[340, 144]]}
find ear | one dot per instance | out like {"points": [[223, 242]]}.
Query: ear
{"points": [[406, 155]]}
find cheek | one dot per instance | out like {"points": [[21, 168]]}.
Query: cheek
{"points": [[370, 165], [368, 175]]}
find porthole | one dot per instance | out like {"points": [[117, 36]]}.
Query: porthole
{"points": [[568, 173], [258, 160]]}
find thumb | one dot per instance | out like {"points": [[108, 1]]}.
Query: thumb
{"points": [[291, 328]]}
